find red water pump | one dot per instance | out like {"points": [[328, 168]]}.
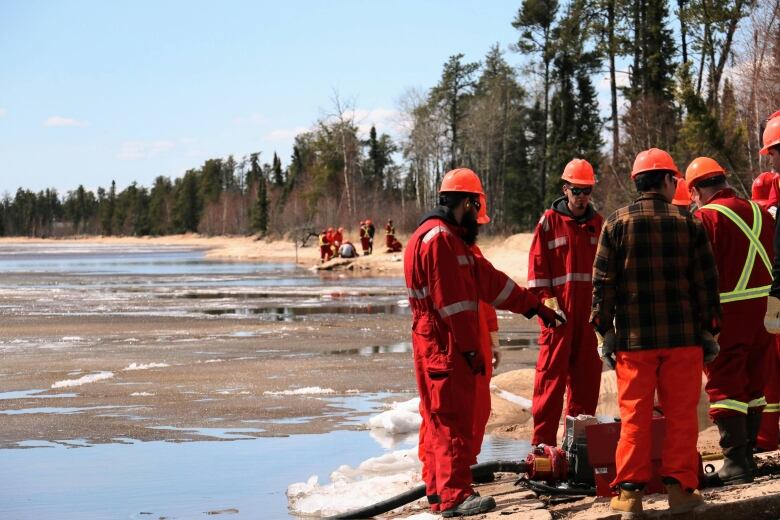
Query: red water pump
{"points": [[547, 464]]}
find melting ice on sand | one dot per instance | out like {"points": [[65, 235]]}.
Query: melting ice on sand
{"points": [[89, 378]]}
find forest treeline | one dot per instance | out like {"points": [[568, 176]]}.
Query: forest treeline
{"points": [[695, 77]]}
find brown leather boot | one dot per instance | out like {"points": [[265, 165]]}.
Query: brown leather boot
{"points": [[681, 501], [629, 501]]}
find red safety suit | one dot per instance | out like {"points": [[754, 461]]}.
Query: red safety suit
{"points": [[770, 422], [389, 236], [736, 378], [365, 241], [445, 282], [774, 188], [338, 238], [325, 250], [560, 264]]}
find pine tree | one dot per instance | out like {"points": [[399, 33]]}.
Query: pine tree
{"points": [[260, 213], [254, 173], [278, 176], [187, 208]]}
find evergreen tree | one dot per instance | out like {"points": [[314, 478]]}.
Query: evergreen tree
{"points": [[278, 176], [260, 213], [159, 206], [187, 205], [451, 94], [254, 173], [211, 180], [107, 209]]}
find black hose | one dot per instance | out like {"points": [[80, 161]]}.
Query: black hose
{"points": [[544, 489], [416, 493]]}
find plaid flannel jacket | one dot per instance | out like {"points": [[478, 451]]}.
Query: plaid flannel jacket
{"points": [[654, 277]]}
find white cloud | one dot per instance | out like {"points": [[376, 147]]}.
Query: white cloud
{"points": [[3, 112], [59, 121], [255, 119], [135, 150], [386, 120], [283, 134]]}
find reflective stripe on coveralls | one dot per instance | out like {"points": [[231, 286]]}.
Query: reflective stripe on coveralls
{"points": [[560, 280], [772, 408], [741, 292]]}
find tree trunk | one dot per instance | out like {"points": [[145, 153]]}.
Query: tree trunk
{"points": [[613, 80]]}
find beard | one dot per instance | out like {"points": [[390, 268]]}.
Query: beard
{"points": [[469, 223]]}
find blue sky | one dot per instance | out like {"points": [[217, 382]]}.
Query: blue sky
{"points": [[92, 91]]}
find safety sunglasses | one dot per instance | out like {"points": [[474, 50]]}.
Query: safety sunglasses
{"points": [[580, 191], [476, 204]]}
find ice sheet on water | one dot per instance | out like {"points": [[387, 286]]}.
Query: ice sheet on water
{"points": [[375, 479], [307, 390], [144, 366], [512, 398], [89, 378], [403, 417]]}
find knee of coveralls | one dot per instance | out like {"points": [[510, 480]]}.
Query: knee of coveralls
{"points": [[759, 368], [550, 378], [451, 429], [585, 367], [636, 373], [679, 390], [770, 427], [728, 375]]}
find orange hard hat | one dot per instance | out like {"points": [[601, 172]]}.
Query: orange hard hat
{"points": [[368, 222], [771, 135], [653, 160], [579, 171], [702, 168], [330, 230], [774, 115], [341, 230], [463, 180], [482, 216], [682, 197]]}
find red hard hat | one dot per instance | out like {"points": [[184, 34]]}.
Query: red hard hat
{"points": [[462, 180], [653, 160], [771, 135], [579, 171], [482, 216], [368, 222], [702, 168], [682, 197]]}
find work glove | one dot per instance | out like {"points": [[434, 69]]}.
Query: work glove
{"points": [[607, 344], [550, 317], [552, 303], [475, 362], [773, 211], [494, 345], [709, 345], [772, 316]]}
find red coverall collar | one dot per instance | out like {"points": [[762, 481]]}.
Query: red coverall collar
{"points": [[725, 193]]}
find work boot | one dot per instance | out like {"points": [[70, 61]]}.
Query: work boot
{"points": [[753, 425], [473, 505], [733, 442], [629, 500], [682, 501]]}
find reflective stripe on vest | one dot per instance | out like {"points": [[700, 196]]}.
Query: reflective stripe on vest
{"points": [[741, 291], [755, 403], [731, 404], [772, 408]]}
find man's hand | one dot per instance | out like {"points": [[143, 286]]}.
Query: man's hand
{"points": [[607, 344], [475, 362], [710, 346], [772, 316], [494, 346], [550, 317], [552, 303]]}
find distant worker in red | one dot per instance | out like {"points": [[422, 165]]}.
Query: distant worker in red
{"points": [[656, 310], [325, 251], [445, 282], [560, 265], [741, 235], [370, 231], [364, 240], [389, 234], [767, 438], [338, 238]]}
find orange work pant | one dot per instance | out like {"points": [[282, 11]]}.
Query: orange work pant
{"points": [[676, 374]]}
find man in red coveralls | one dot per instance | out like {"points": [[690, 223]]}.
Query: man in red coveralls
{"points": [[767, 439], [364, 238], [325, 250], [389, 235], [560, 265], [741, 234], [769, 188], [445, 283]]}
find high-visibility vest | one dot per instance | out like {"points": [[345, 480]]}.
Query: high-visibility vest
{"points": [[742, 291], [323, 240]]}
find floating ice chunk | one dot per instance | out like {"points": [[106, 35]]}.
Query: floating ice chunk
{"points": [[141, 366], [512, 398], [141, 394], [307, 390], [72, 338], [214, 361], [389, 441], [375, 479], [90, 378], [403, 417]]}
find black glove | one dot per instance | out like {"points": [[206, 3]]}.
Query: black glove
{"points": [[549, 317], [607, 345], [475, 362], [710, 347]]}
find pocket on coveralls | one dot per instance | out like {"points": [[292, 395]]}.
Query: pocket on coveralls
{"points": [[435, 354], [441, 392]]}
